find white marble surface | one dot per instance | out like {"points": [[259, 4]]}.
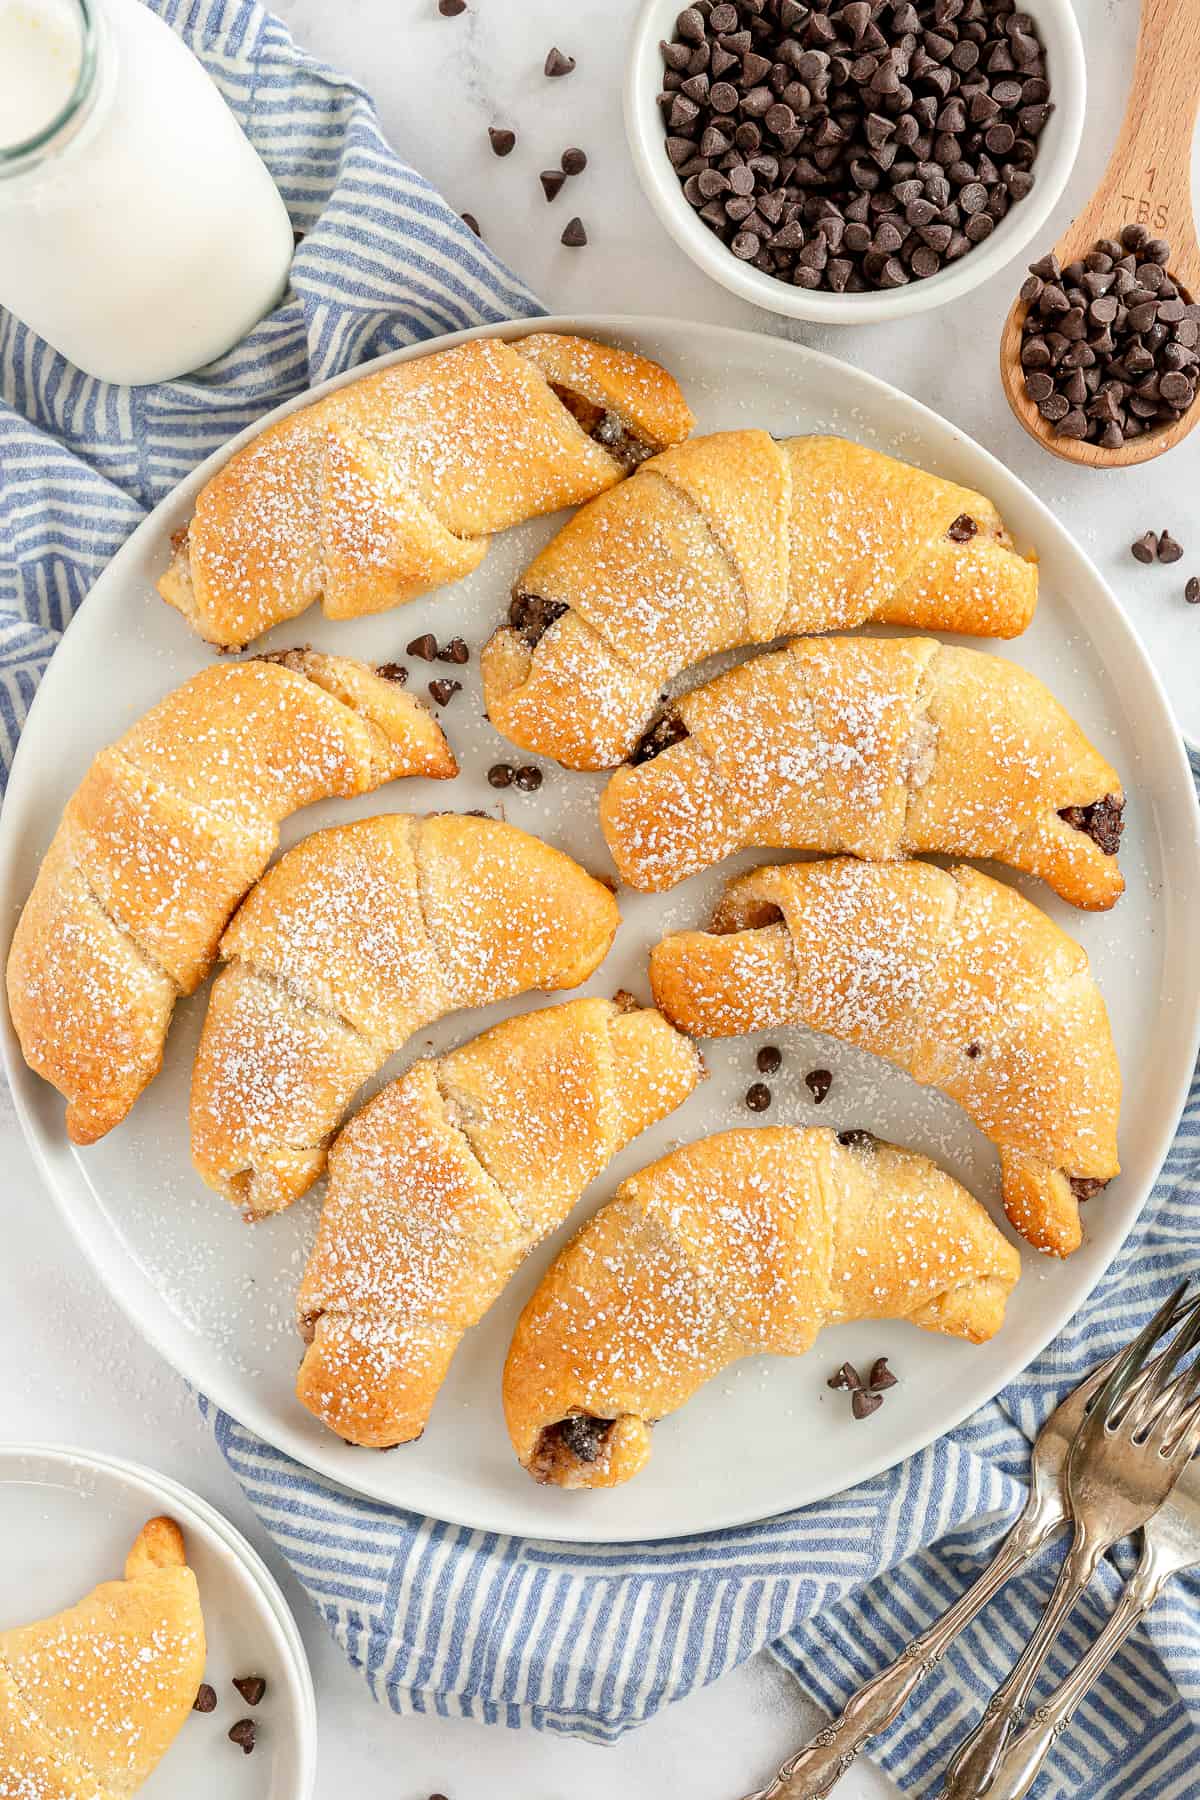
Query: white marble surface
{"points": [[75, 1371]]}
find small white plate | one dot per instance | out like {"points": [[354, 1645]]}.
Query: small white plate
{"points": [[217, 1297], [68, 1519]]}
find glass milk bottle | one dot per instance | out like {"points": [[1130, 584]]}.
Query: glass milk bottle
{"points": [[140, 233]]}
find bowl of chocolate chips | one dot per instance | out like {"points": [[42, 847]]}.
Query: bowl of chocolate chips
{"points": [[854, 160]]}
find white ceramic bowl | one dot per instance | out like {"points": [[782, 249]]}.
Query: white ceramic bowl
{"points": [[1057, 149]]}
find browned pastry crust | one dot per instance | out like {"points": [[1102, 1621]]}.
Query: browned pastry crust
{"points": [[394, 484], [957, 978], [168, 829], [444, 1182], [878, 746], [353, 941], [748, 1242], [92, 1699], [729, 540]]}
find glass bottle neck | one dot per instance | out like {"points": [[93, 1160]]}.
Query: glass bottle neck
{"points": [[95, 50]]}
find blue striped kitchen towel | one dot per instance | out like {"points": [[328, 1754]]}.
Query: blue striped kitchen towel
{"points": [[569, 1638]]}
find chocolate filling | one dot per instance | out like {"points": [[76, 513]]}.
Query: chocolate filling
{"points": [[532, 616], [1084, 1186], [962, 530], [856, 1139], [1102, 822], [669, 729], [606, 428], [582, 1435], [392, 671]]}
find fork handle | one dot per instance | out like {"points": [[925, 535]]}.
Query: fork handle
{"points": [[971, 1768], [1020, 1763], [815, 1770]]}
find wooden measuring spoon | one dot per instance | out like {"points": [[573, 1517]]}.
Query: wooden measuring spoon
{"points": [[1148, 181]]}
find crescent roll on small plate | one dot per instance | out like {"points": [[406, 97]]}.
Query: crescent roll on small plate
{"points": [[353, 941], [730, 540], [882, 747], [955, 977], [168, 829], [92, 1699], [445, 1181], [746, 1243], [394, 483]]}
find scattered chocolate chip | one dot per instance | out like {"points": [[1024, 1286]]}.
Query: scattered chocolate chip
{"points": [[863, 1404], [1191, 592], [500, 775], [450, 9], [250, 1687], [574, 235], [443, 690], [818, 1082], [455, 651], [243, 1733], [1109, 346], [573, 161], [472, 224], [424, 646], [1145, 548], [758, 1096], [1168, 550], [392, 672], [881, 1377], [553, 181], [503, 140], [847, 1377], [558, 64], [962, 529], [856, 1139], [853, 146], [769, 1060], [437, 1797], [206, 1699], [528, 779]]}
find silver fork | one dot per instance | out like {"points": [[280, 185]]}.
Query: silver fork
{"points": [[1122, 1464], [1170, 1544], [813, 1772]]}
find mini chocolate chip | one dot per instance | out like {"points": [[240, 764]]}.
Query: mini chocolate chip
{"points": [[243, 1733], [424, 646], [552, 181], [847, 1377], [818, 1082], [206, 1699], [455, 651], [769, 1060], [450, 9], [574, 161], [881, 1376], [962, 530], [558, 64], [1145, 548], [443, 691], [250, 1687], [574, 235], [863, 1404], [1168, 550], [503, 140], [1191, 592], [472, 223], [392, 672], [758, 1096], [528, 779], [500, 775]]}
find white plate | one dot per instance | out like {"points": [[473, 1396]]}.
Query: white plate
{"points": [[72, 1517], [217, 1297]]}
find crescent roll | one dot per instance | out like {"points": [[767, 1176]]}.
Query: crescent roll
{"points": [[353, 941], [730, 540], [958, 979], [882, 747], [92, 1699], [395, 483], [743, 1244], [168, 829], [445, 1181]]}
